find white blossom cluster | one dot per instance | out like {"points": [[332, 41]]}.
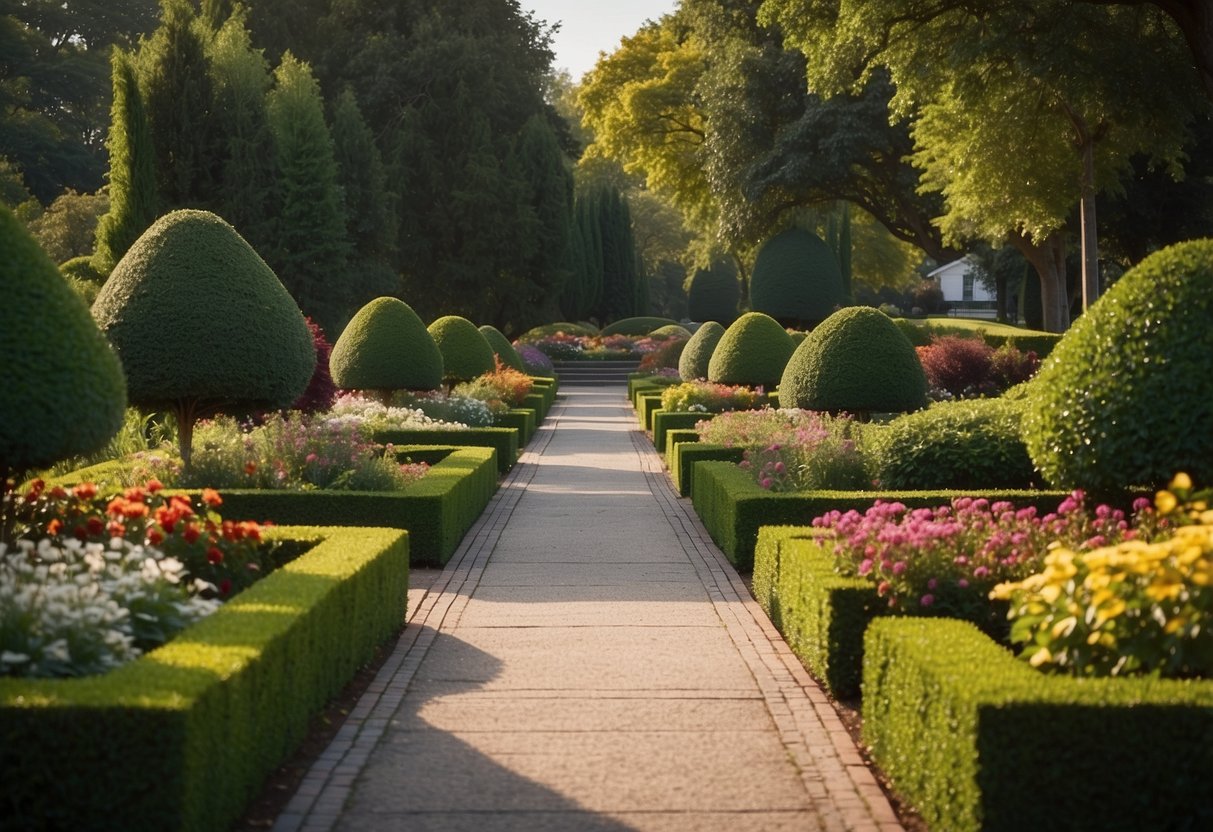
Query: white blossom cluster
{"points": [[351, 409], [69, 608]]}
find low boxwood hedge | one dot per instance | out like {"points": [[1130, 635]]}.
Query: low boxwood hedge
{"points": [[733, 507], [646, 405], [504, 440], [676, 437], [184, 737], [538, 402], [667, 420], [976, 739], [639, 383], [521, 419], [682, 466]]}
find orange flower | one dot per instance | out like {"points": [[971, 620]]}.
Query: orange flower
{"points": [[250, 468], [134, 510], [54, 526], [154, 485], [115, 506], [85, 491], [211, 497], [251, 530], [135, 493], [116, 529], [155, 537]]}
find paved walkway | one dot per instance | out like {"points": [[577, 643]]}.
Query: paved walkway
{"points": [[589, 661]]}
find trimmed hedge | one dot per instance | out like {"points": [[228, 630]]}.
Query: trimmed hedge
{"points": [[385, 346], [686, 454], [753, 351], [638, 384], [521, 419], [976, 739], [697, 354], [646, 405], [733, 507], [674, 437], [184, 737], [667, 420], [502, 347], [466, 353], [537, 401], [502, 440], [637, 326]]}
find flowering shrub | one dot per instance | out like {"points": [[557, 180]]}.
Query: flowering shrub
{"points": [[1009, 366], [708, 397], [1131, 608], [446, 411], [89, 582], [533, 360], [664, 357], [504, 386], [374, 415], [945, 560]]}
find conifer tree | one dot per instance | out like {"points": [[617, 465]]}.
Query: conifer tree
{"points": [[548, 189], [591, 238], [363, 180]]}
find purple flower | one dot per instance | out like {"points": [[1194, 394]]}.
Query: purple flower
{"points": [[927, 600]]}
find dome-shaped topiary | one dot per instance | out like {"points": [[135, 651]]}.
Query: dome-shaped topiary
{"points": [[201, 323], [466, 353], [671, 331], [384, 347], [567, 327], [693, 364], [636, 326], [502, 348], [752, 351], [1126, 397], [64, 393], [713, 293], [857, 361], [798, 336], [797, 279]]}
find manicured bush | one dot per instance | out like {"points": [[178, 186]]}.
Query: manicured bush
{"points": [[502, 347], [63, 387], [713, 293], [386, 347], [686, 454], [567, 327], [752, 351], [796, 279], [971, 444], [671, 331], [503, 440], [857, 361], [693, 363], [1126, 398], [636, 326], [466, 353], [201, 324]]}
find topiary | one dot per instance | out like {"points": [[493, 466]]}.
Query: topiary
{"points": [[64, 393], [670, 331], [798, 336], [636, 326], [538, 332], [466, 353], [502, 347], [796, 279], [752, 351], [693, 364], [202, 325], [713, 293], [971, 444], [386, 347], [1126, 397], [856, 361]]}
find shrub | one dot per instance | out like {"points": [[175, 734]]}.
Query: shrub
{"points": [[972, 444], [201, 324], [752, 351], [534, 361], [82, 268], [504, 384], [857, 361], [320, 390], [636, 326], [693, 363], [466, 353], [962, 366], [535, 333], [814, 451], [385, 347], [671, 331], [1126, 397], [796, 279], [1009, 366], [665, 357], [917, 335], [706, 397], [63, 387], [713, 293], [502, 347]]}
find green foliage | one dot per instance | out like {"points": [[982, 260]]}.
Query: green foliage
{"points": [[671, 331], [386, 347], [796, 279], [503, 441], [697, 354], [502, 347], [637, 326], [67, 229], [856, 361], [63, 387], [81, 268], [685, 455], [568, 328], [969, 444], [466, 353], [752, 351], [713, 293], [1126, 398]]}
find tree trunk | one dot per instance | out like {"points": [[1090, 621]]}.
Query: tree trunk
{"points": [[185, 413], [1048, 257], [1090, 239], [1000, 296]]}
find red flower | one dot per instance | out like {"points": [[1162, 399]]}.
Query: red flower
{"points": [[250, 468], [80, 533], [154, 485], [155, 537], [134, 510], [116, 529], [190, 533], [251, 530], [58, 492], [135, 493], [35, 490], [225, 586], [211, 497], [214, 556], [85, 491], [95, 526]]}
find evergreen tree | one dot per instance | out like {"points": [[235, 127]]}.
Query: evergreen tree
{"points": [[618, 257], [591, 238], [363, 179], [132, 177], [548, 186], [572, 297]]}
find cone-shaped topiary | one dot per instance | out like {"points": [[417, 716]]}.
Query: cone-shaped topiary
{"points": [[636, 326], [856, 361], [1126, 397], [386, 347], [202, 325], [713, 293], [693, 364], [752, 351], [64, 393], [796, 279], [466, 353], [502, 348]]}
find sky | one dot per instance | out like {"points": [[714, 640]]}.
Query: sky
{"points": [[590, 26]]}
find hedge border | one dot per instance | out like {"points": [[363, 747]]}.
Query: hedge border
{"points": [[687, 455], [673, 438], [646, 405], [504, 440], [638, 384], [521, 419], [183, 737], [976, 739], [667, 420]]}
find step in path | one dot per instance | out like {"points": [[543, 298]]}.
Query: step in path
{"points": [[589, 661]]}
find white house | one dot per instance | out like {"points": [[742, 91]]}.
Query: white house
{"points": [[966, 296]]}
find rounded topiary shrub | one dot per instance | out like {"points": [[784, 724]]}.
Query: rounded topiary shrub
{"points": [[693, 364], [1126, 397], [752, 351], [502, 347], [567, 327], [969, 444], [466, 353], [796, 279], [713, 293], [63, 390], [636, 326], [671, 331], [202, 324], [856, 361], [386, 346]]}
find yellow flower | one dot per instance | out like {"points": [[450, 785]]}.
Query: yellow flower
{"points": [[1165, 502], [1181, 481], [1064, 627], [1041, 656]]}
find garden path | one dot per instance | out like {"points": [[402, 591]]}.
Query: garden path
{"points": [[589, 661]]}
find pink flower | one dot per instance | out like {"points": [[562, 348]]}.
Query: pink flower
{"points": [[927, 600]]}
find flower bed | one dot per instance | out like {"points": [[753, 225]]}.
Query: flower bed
{"points": [[183, 737]]}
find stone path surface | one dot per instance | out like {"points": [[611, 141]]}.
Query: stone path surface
{"points": [[589, 661]]}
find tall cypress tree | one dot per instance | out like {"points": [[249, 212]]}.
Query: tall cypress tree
{"points": [[132, 176], [618, 257], [591, 238], [548, 189]]}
